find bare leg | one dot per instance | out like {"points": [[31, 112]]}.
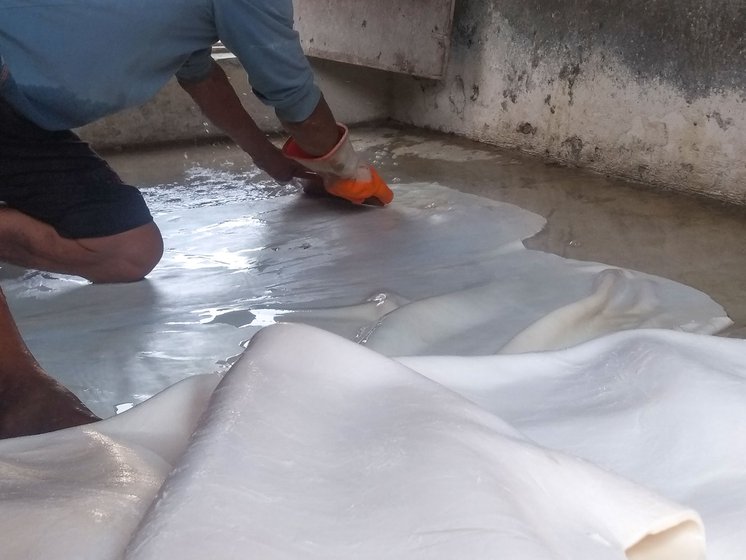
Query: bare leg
{"points": [[125, 257], [31, 402]]}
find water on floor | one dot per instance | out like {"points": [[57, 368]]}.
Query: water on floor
{"points": [[591, 217]]}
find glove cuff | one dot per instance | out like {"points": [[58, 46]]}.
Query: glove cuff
{"points": [[341, 160]]}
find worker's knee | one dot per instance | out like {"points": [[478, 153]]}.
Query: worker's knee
{"points": [[141, 254], [126, 257]]}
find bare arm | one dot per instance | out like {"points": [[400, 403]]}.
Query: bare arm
{"points": [[318, 134], [218, 101], [31, 402]]}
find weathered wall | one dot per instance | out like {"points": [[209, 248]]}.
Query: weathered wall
{"points": [[650, 90], [378, 34], [357, 95]]}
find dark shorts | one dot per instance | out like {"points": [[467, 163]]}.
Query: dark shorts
{"points": [[56, 178]]}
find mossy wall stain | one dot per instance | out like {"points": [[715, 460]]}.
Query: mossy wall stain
{"points": [[697, 45], [651, 90]]}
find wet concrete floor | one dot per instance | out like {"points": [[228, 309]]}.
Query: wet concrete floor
{"points": [[591, 217]]}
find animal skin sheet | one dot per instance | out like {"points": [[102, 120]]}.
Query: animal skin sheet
{"points": [[536, 407], [457, 260], [352, 455]]}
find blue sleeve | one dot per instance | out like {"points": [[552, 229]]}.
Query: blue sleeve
{"points": [[260, 33], [197, 67]]}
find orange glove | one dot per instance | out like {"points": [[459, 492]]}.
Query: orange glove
{"points": [[345, 175]]}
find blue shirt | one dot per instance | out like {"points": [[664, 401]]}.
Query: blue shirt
{"points": [[65, 63]]}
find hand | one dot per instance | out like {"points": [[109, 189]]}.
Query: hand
{"points": [[282, 169], [345, 174], [366, 187], [313, 185]]}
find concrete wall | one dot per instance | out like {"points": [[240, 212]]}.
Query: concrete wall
{"points": [[356, 94], [650, 90], [654, 91]]}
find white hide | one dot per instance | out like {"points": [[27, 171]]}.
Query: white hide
{"points": [[351, 455], [316, 447], [620, 301], [313, 446], [476, 320], [666, 410], [78, 494]]}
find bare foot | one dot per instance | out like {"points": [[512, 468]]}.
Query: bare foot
{"points": [[36, 404]]}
